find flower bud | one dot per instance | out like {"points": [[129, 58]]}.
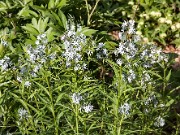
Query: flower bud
{"points": [[145, 39], [177, 35], [131, 3], [177, 25], [173, 27], [168, 21], [135, 7], [141, 23], [123, 13], [162, 20], [138, 32], [162, 35]]}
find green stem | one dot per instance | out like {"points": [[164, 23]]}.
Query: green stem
{"points": [[77, 127], [164, 83], [55, 122], [87, 8], [52, 106], [119, 127], [119, 98], [90, 14]]}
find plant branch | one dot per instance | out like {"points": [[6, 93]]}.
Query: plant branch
{"points": [[90, 15]]}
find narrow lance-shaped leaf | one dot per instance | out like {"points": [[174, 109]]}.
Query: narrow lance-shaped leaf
{"points": [[168, 76], [45, 89], [29, 28], [63, 18], [88, 32], [57, 18], [170, 102]]}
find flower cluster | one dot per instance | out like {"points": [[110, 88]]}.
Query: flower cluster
{"points": [[127, 26], [23, 114], [151, 100], [77, 98], [175, 26], [128, 38], [37, 56], [154, 102], [73, 46], [160, 122], [144, 15], [151, 55], [27, 83], [145, 79], [6, 63], [131, 76], [38, 53], [101, 51], [125, 109], [4, 42], [155, 14], [164, 20], [87, 108]]}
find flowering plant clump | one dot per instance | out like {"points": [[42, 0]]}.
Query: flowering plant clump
{"points": [[131, 55], [60, 77]]}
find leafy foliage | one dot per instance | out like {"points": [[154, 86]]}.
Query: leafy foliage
{"points": [[60, 73]]}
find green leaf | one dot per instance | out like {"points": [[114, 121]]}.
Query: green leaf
{"points": [[59, 116], [8, 4], [45, 101], [110, 45], [61, 4], [3, 7], [63, 18], [27, 1], [33, 108], [114, 66], [24, 12], [33, 13], [177, 42], [106, 95], [29, 28], [51, 4], [88, 32], [42, 24], [17, 98], [50, 34], [168, 76], [88, 89], [5, 83], [156, 74], [59, 98], [44, 89], [34, 22], [170, 102], [56, 17]]}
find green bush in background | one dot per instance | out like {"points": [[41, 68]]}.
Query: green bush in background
{"points": [[157, 21]]}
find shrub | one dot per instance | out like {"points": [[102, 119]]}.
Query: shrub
{"points": [[59, 77]]}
